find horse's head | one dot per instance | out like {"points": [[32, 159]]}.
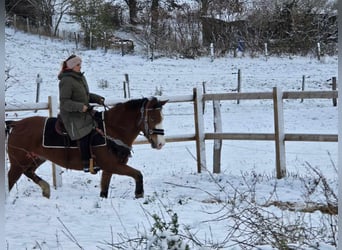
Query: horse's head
{"points": [[151, 123]]}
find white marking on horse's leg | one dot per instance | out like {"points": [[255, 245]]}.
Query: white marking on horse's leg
{"points": [[45, 188]]}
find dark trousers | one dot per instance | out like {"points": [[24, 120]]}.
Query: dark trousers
{"points": [[85, 148]]}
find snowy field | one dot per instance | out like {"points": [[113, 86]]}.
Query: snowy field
{"points": [[76, 218]]}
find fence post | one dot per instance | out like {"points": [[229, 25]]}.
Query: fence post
{"points": [[211, 52], [39, 28], [127, 91], [303, 86], [204, 91], [76, 41], [39, 80], [90, 40], [105, 41], [124, 89], [199, 130], [217, 142], [266, 51], [122, 47], [334, 87], [238, 84], [56, 170], [28, 25], [279, 135]]}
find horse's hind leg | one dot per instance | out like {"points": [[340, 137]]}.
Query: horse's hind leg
{"points": [[16, 171], [14, 174], [30, 173]]}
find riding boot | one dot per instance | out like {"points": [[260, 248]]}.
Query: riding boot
{"points": [[85, 153], [86, 167], [87, 161]]}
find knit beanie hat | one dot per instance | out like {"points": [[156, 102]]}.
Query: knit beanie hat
{"points": [[72, 62]]}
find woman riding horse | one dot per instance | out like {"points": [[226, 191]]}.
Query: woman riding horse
{"points": [[74, 99], [123, 123]]}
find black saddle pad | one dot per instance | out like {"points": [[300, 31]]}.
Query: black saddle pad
{"points": [[52, 139]]}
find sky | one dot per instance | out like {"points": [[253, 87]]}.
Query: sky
{"points": [[75, 217]]}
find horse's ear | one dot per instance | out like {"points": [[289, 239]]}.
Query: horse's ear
{"points": [[162, 103], [158, 103]]}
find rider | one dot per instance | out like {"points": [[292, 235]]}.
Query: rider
{"points": [[74, 99]]}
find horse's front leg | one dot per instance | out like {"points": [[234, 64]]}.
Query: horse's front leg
{"points": [[123, 169], [139, 185], [105, 181]]}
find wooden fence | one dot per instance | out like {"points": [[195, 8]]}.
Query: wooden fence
{"points": [[198, 98], [279, 136]]}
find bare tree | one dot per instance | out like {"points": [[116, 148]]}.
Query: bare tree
{"points": [[293, 26], [133, 10], [154, 17], [61, 8], [40, 12]]}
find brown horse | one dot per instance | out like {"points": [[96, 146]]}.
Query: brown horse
{"points": [[123, 123]]}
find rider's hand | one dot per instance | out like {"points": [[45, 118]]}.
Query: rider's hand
{"points": [[85, 108], [101, 101]]}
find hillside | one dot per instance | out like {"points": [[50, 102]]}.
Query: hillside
{"points": [[243, 207]]}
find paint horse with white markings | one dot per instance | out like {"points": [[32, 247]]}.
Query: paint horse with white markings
{"points": [[122, 123]]}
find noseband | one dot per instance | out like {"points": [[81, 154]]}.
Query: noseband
{"points": [[148, 132]]}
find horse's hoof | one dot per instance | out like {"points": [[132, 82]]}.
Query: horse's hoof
{"points": [[103, 194], [46, 194], [45, 189], [137, 196]]}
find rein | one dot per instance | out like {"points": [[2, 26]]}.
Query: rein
{"points": [[104, 134]]}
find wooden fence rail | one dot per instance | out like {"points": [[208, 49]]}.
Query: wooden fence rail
{"points": [[200, 136], [279, 135]]}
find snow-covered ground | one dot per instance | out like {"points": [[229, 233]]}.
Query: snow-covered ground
{"points": [[76, 218]]}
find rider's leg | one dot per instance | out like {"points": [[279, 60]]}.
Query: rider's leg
{"points": [[87, 160], [85, 152]]}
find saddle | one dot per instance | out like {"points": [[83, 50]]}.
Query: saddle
{"points": [[56, 136]]}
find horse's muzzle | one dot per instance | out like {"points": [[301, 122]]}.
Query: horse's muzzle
{"points": [[157, 142]]}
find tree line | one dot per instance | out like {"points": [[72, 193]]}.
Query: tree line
{"points": [[187, 28]]}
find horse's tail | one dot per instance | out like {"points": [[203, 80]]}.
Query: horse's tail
{"points": [[8, 126]]}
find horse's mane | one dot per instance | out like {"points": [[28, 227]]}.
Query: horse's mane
{"points": [[136, 103]]}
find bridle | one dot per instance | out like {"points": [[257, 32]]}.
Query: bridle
{"points": [[148, 132]]}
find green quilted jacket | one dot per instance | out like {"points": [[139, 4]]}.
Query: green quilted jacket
{"points": [[73, 94]]}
